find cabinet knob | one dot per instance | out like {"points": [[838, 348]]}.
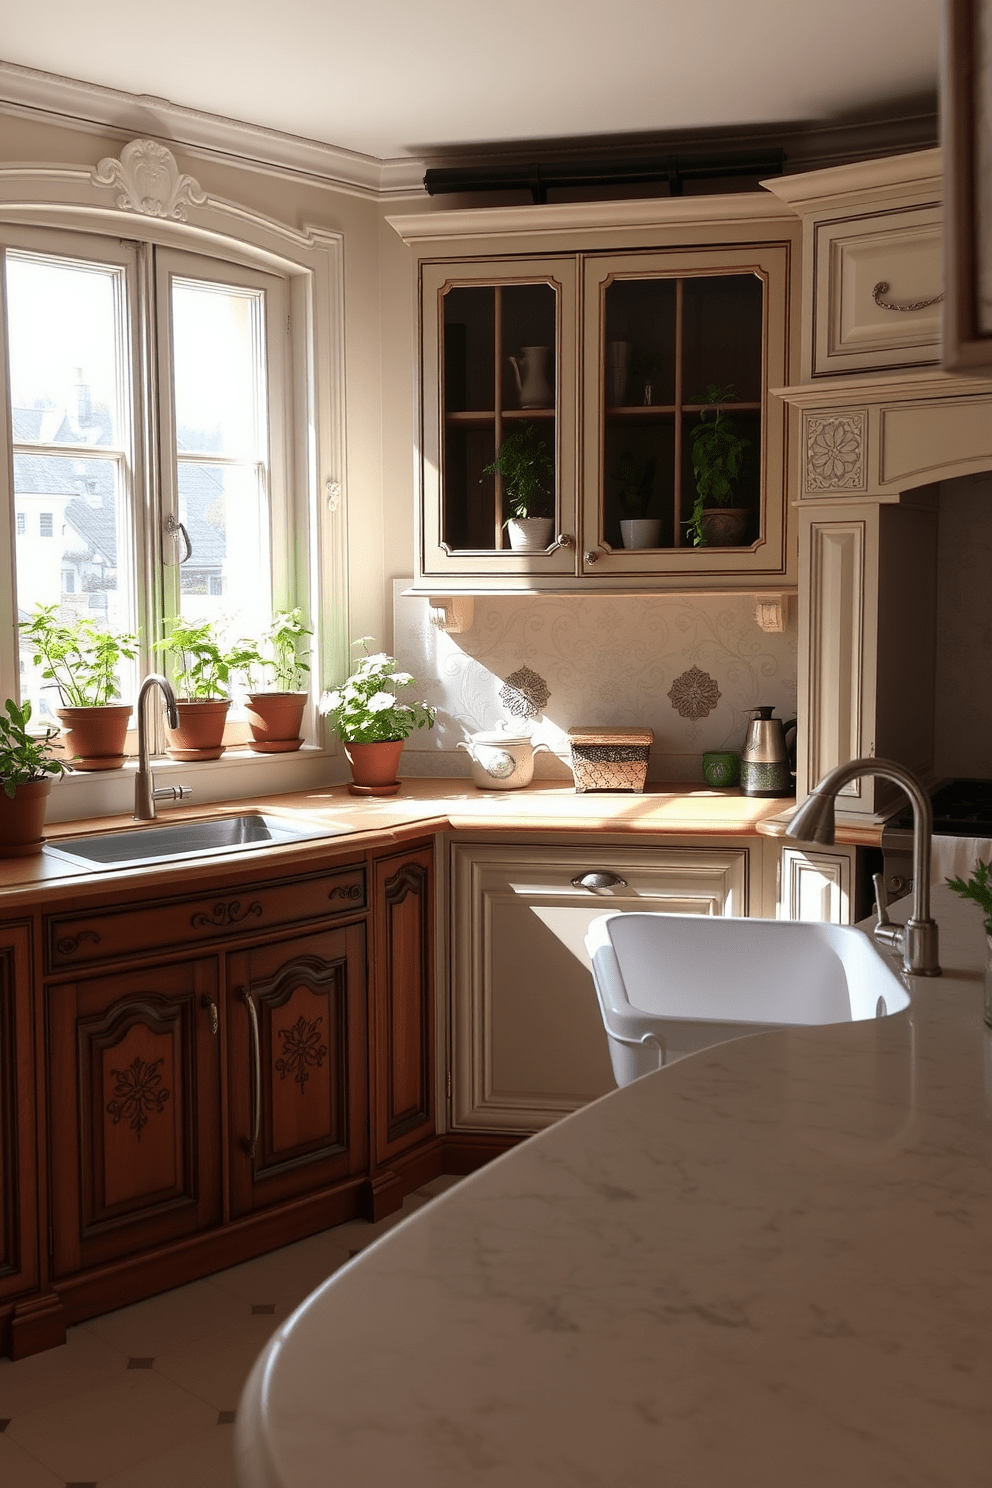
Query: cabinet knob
{"points": [[563, 540], [592, 555], [598, 879]]}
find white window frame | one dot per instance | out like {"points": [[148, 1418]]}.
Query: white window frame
{"points": [[105, 201]]}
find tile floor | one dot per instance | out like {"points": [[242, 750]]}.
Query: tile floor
{"points": [[146, 1397]]}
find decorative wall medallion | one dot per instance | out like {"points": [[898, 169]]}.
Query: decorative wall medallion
{"points": [[150, 181], [225, 914], [137, 1093], [694, 694], [301, 1048], [835, 451], [524, 693]]}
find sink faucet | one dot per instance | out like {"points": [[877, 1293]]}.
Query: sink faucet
{"points": [[145, 794], [814, 822]]}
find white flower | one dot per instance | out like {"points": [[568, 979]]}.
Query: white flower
{"points": [[381, 702], [330, 701], [402, 678]]}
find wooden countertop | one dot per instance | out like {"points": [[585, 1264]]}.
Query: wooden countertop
{"points": [[423, 806]]}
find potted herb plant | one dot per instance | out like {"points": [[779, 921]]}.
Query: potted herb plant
{"points": [[527, 469], [275, 714], [26, 770], [83, 662], [201, 670], [978, 888], [635, 486], [717, 462], [372, 722]]}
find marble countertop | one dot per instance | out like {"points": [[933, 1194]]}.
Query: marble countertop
{"points": [[769, 1263]]}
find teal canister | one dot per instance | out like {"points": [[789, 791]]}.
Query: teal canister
{"points": [[768, 759]]}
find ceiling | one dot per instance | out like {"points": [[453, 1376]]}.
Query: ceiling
{"points": [[391, 79]]}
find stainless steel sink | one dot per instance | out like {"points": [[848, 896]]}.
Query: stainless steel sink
{"points": [[189, 839]]}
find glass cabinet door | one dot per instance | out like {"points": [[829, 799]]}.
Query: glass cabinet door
{"points": [[499, 366], [671, 339]]}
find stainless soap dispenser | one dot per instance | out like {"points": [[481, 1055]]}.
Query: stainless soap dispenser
{"points": [[768, 759]]}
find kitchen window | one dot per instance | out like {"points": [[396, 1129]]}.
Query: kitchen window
{"points": [[149, 393]]}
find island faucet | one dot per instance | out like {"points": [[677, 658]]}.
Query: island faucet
{"points": [[145, 794], [814, 822]]}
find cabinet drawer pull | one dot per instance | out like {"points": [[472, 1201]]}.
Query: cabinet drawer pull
{"points": [[598, 880], [211, 1007], [882, 288], [256, 1073]]}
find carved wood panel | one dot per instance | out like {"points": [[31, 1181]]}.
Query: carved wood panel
{"points": [[134, 1110], [19, 1260], [403, 1044], [297, 1085]]}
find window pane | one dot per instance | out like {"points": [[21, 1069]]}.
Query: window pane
{"points": [[63, 327], [219, 369], [67, 552], [226, 575]]}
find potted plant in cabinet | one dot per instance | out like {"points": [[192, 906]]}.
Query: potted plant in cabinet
{"points": [[635, 484], [26, 768], [717, 464], [82, 660], [201, 670], [275, 714], [372, 723], [527, 469]]}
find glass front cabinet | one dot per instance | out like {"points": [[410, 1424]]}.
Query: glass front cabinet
{"points": [[616, 396]]}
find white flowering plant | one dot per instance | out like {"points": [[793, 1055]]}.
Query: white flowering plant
{"points": [[366, 710]]}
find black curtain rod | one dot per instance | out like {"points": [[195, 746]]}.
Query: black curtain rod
{"points": [[540, 179]]}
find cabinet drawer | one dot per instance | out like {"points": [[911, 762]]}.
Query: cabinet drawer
{"points": [[174, 923], [858, 325]]}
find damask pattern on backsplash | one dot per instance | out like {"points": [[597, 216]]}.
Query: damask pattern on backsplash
{"points": [[694, 695], [603, 660], [524, 694]]}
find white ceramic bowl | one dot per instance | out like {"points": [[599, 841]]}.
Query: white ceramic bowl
{"points": [[500, 760]]}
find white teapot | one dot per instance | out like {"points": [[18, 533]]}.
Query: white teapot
{"points": [[501, 760]]}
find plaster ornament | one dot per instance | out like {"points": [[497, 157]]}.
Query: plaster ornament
{"points": [[835, 452], [694, 694], [150, 181]]}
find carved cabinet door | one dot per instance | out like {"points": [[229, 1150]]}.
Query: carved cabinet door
{"points": [[297, 1053], [18, 1199], [402, 1035], [134, 1111]]}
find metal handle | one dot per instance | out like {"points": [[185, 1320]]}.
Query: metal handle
{"points": [[256, 1055], [177, 530], [882, 288], [592, 555], [563, 540], [211, 1007], [884, 931], [598, 879]]}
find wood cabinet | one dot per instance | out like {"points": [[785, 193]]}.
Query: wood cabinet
{"points": [[527, 1039], [606, 342]]}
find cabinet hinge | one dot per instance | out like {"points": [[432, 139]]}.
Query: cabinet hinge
{"points": [[447, 1084]]}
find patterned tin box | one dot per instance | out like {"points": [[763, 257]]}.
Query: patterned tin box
{"points": [[610, 759]]}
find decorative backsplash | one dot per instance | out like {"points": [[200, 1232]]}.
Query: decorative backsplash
{"points": [[688, 668]]}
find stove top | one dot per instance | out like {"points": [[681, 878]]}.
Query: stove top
{"points": [[961, 808]]}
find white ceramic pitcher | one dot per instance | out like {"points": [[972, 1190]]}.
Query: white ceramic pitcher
{"points": [[530, 370], [501, 760]]}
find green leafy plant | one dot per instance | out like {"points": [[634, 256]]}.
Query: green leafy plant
{"points": [[527, 469], [977, 888], [78, 657], [201, 666], [24, 757], [282, 652], [717, 456], [366, 710], [635, 484]]}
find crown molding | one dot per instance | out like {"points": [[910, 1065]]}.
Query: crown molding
{"points": [[70, 103], [914, 172]]}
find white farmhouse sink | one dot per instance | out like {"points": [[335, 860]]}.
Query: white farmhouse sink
{"points": [[669, 985]]}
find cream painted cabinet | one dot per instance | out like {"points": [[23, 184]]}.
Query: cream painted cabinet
{"points": [[527, 1043], [604, 344], [817, 884]]}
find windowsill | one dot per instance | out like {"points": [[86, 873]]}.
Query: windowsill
{"points": [[239, 774]]}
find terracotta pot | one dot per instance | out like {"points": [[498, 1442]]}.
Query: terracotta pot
{"points": [[725, 526], [530, 534], [94, 737], [21, 819], [374, 766], [275, 719], [200, 735]]}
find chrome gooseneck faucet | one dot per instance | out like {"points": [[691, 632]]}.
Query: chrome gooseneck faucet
{"points": [[814, 822], [145, 794]]}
